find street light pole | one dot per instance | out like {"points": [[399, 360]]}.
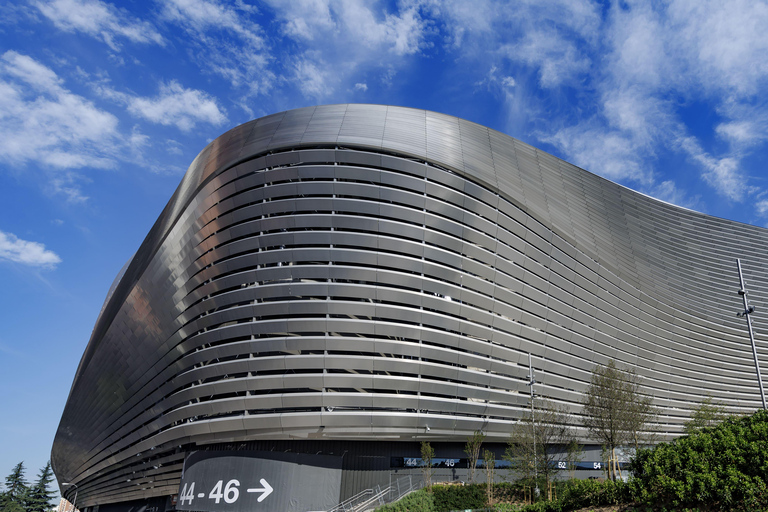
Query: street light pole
{"points": [[531, 382], [74, 504], [748, 310]]}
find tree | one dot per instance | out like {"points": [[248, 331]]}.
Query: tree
{"points": [[427, 454], [721, 468], [472, 449], [39, 496], [537, 440], [706, 414], [15, 496], [574, 453], [616, 413], [489, 464]]}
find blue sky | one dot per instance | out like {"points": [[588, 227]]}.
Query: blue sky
{"points": [[103, 105]]}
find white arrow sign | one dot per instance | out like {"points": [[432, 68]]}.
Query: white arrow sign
{"points": [[267, 490]]}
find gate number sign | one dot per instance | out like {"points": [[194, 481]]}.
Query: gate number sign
{"points": [[230, 492]]}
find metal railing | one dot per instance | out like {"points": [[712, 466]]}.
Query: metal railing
{"points": [[371, 498]]}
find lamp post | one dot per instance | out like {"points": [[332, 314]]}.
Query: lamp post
{"points": [[531, 382], [748, 310], [74, 504]]}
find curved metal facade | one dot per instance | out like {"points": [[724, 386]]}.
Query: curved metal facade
{"points": [[360, 272]]}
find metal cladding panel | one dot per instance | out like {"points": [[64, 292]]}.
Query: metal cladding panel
{"points": [[324, 126], [405, 132], [363, 126], [363, 272]]}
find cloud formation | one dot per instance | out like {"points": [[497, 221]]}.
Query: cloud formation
{"points": [[33, 254], [655, 60], [98, 19], [176, 106], [339, 41], [45, 123], [227, 41], [614, 88]]}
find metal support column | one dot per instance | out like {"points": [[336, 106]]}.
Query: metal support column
{"points": [[748, 310]]}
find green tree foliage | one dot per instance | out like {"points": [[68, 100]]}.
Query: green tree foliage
{"points": [[707, 414], [472, 449], [537, 439], [39, 497], [427, 454], [14, 499], [616, 413], [723, 468]]}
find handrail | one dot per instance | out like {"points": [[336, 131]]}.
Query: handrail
{"points": [[346, 505], [393, 493]]}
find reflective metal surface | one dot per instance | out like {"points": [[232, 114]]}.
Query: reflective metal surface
{"points": [[349, 272]]}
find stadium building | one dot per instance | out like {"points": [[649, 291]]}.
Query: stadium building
{"points": [[329, 286]]}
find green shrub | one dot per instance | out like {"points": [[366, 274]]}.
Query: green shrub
{"points": [[722, 468], [458, 497], [419, 501], [592, 493], [506, 507], [507, 491]]}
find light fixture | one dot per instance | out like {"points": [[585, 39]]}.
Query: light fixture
{"points": [[74, 503]]}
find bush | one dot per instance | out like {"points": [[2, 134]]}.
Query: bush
{"points": [[419, 501], [592, 493], [722, 468], [457, 497], [507, 491]]}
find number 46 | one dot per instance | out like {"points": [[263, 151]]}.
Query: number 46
{"points": [[230, 494]]}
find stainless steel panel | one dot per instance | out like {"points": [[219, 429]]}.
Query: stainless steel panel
{"points": [[276, 285]]}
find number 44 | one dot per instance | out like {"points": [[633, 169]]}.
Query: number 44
{"points": [[187, 495]]}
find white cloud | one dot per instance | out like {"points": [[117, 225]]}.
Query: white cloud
{"points": [[98, 19], [43, 122], [175, 105], [762, 208], [361, 86], [557, 59], [609, 153], [657, 59], [227, 41], [178, 106], [341, 22], [554, 38], [338, 41], [725, 44], [739, 132], [315, 79], [494, 83], [21, 251], [67, 184], [203, 15], [388, 76], [668, 191], [723, 174]]}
